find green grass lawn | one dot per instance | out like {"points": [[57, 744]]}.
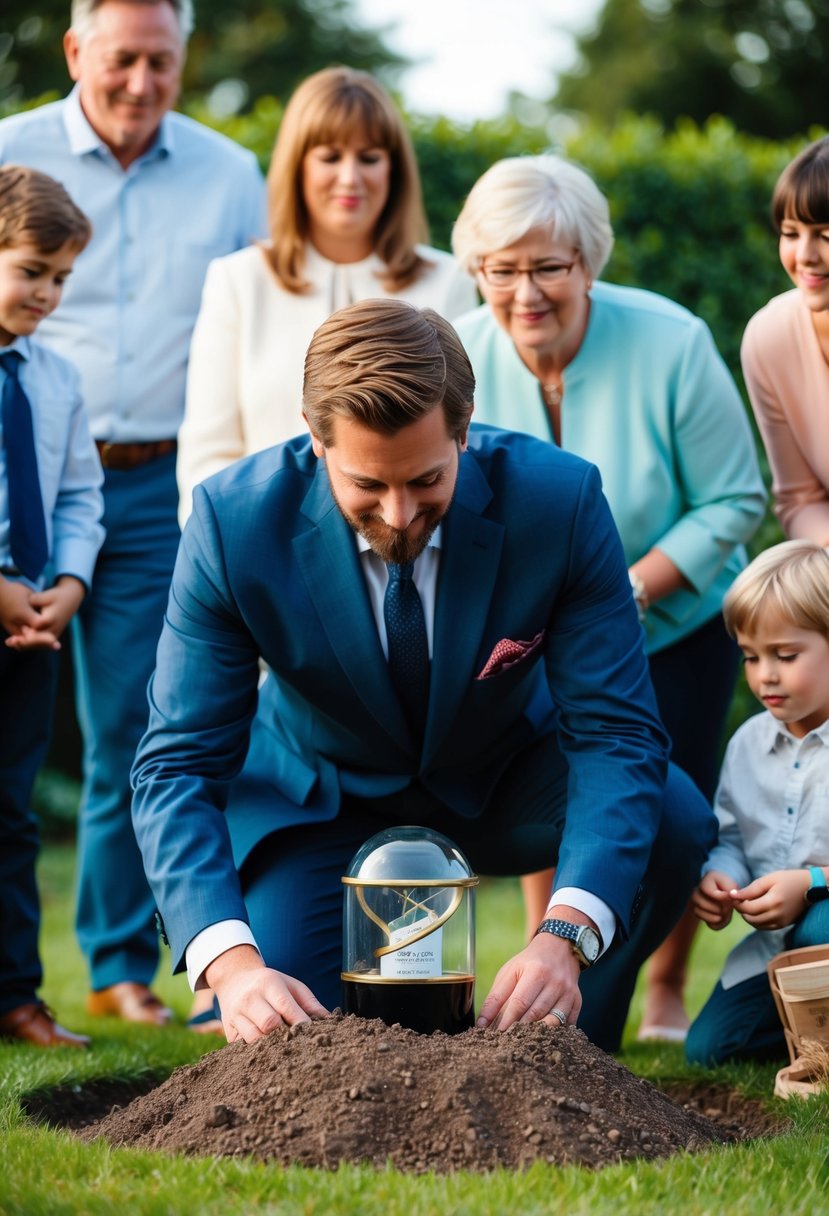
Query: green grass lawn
{"points": [[46, 1173]]}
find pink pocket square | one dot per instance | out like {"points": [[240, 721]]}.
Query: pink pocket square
{"points": [[507, 653]]}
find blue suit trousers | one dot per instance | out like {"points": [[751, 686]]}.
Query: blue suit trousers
{"points": [[115, 638]]}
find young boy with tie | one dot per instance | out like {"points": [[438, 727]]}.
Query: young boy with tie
{"points": [[50, 533], [771, 862]]}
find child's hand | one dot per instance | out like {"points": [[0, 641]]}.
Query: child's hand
{"points": [[51, 611], [17, 614], [58, 604], [712, 901], [773, 901]]}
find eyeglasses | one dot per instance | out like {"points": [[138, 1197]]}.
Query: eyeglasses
{"points": [[548, 274]]}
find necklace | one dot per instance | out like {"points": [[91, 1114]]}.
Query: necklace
{"points": [[552, 393]]}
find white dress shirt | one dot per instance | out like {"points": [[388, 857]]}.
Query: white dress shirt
{"points": [[772, 805]]}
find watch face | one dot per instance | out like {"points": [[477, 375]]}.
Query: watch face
{"points": [[815, 894], [589, 944]]}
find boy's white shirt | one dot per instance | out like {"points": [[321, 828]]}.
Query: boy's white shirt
{"points": [[772, 804]]}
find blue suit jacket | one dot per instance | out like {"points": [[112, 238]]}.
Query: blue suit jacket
{"points": [[267, 566]]}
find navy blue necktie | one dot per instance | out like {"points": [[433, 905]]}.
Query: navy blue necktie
{"points": [[27, 526], [408, 644]]}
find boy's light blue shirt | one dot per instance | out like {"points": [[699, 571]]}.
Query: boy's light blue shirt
{"points": [[129, 307], [68, 466], [651, 403], [772, 804]]}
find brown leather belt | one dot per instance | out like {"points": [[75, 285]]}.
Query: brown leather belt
{"points": [[131, 455]]}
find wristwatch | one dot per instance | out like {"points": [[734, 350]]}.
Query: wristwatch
{"points": [[817, 889], [584, 941]]}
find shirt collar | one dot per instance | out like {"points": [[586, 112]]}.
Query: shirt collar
{"points": [[84, 139], [776, 735], [21, 345]]}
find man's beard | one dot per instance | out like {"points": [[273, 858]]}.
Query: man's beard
{"points": [[392, 545]]}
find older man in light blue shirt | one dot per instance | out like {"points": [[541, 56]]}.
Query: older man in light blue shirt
{"points": [[165, 195]]}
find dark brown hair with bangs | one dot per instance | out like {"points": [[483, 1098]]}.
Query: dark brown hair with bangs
{"points": [[331, 106], [802, 190]]}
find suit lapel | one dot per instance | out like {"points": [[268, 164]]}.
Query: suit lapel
{"points": [[469, 561], [330, 564]]}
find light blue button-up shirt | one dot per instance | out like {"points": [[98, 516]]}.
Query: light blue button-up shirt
{"points": [[129, 308], [68, 467]]}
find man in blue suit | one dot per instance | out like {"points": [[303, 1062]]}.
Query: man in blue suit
{"points": [[540, 741]]}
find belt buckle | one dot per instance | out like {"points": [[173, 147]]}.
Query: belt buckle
{"points": [[104, 452]]}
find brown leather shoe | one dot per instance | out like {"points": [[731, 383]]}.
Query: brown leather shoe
{"points": [[35, 1023], [130, 1001]]}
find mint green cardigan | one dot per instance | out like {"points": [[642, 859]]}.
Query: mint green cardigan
{"points": [[649, 400]]}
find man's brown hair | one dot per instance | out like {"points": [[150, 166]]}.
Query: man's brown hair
{"points": [[386, 364]]}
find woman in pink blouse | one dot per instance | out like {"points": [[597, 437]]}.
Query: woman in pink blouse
{"points": [[785, 351]]}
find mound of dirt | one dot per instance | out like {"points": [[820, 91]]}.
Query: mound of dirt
{"points": [[349, 1089]]}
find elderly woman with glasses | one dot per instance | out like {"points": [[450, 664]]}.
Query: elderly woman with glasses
{"points": [[633, 383]]}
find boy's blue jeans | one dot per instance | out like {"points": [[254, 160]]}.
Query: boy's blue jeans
{"points": [[742, 1023]]}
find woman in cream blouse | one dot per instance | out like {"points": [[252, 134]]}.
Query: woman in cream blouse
{"points": [[785, 351], [346, 218]]}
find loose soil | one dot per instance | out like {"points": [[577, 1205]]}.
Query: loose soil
{"points": [[347, 1089]]}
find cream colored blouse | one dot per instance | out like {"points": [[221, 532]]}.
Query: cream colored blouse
{"points": [[244, 382]]}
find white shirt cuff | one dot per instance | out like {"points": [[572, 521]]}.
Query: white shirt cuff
{"points": [[590, 905], [211, 942]]}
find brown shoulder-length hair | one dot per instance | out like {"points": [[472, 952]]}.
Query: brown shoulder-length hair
{"points": [[802, 190], [328, 107]]}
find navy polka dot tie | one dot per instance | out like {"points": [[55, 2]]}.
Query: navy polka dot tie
{"points": [[27, 526], [408, 644]]}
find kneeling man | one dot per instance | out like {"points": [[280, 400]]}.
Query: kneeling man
{"points": [[451, 640]]}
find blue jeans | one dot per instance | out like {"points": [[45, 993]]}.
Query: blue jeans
{"points": [[115, 639], [742, 1022]]}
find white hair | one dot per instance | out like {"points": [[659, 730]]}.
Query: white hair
{"points": [[522, 193], [82, 20]]}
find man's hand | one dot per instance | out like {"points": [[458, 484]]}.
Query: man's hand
{"points": [[543, 977], [254, 999], [773, 901], [712, 900]]}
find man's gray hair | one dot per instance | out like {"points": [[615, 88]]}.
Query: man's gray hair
{"points": [[82, 18]]}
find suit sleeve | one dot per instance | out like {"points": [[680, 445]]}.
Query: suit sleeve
{"points": [[202, 698], [608, 724]]}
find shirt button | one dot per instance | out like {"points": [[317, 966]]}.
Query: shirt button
{"points": [[789, 810]]}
